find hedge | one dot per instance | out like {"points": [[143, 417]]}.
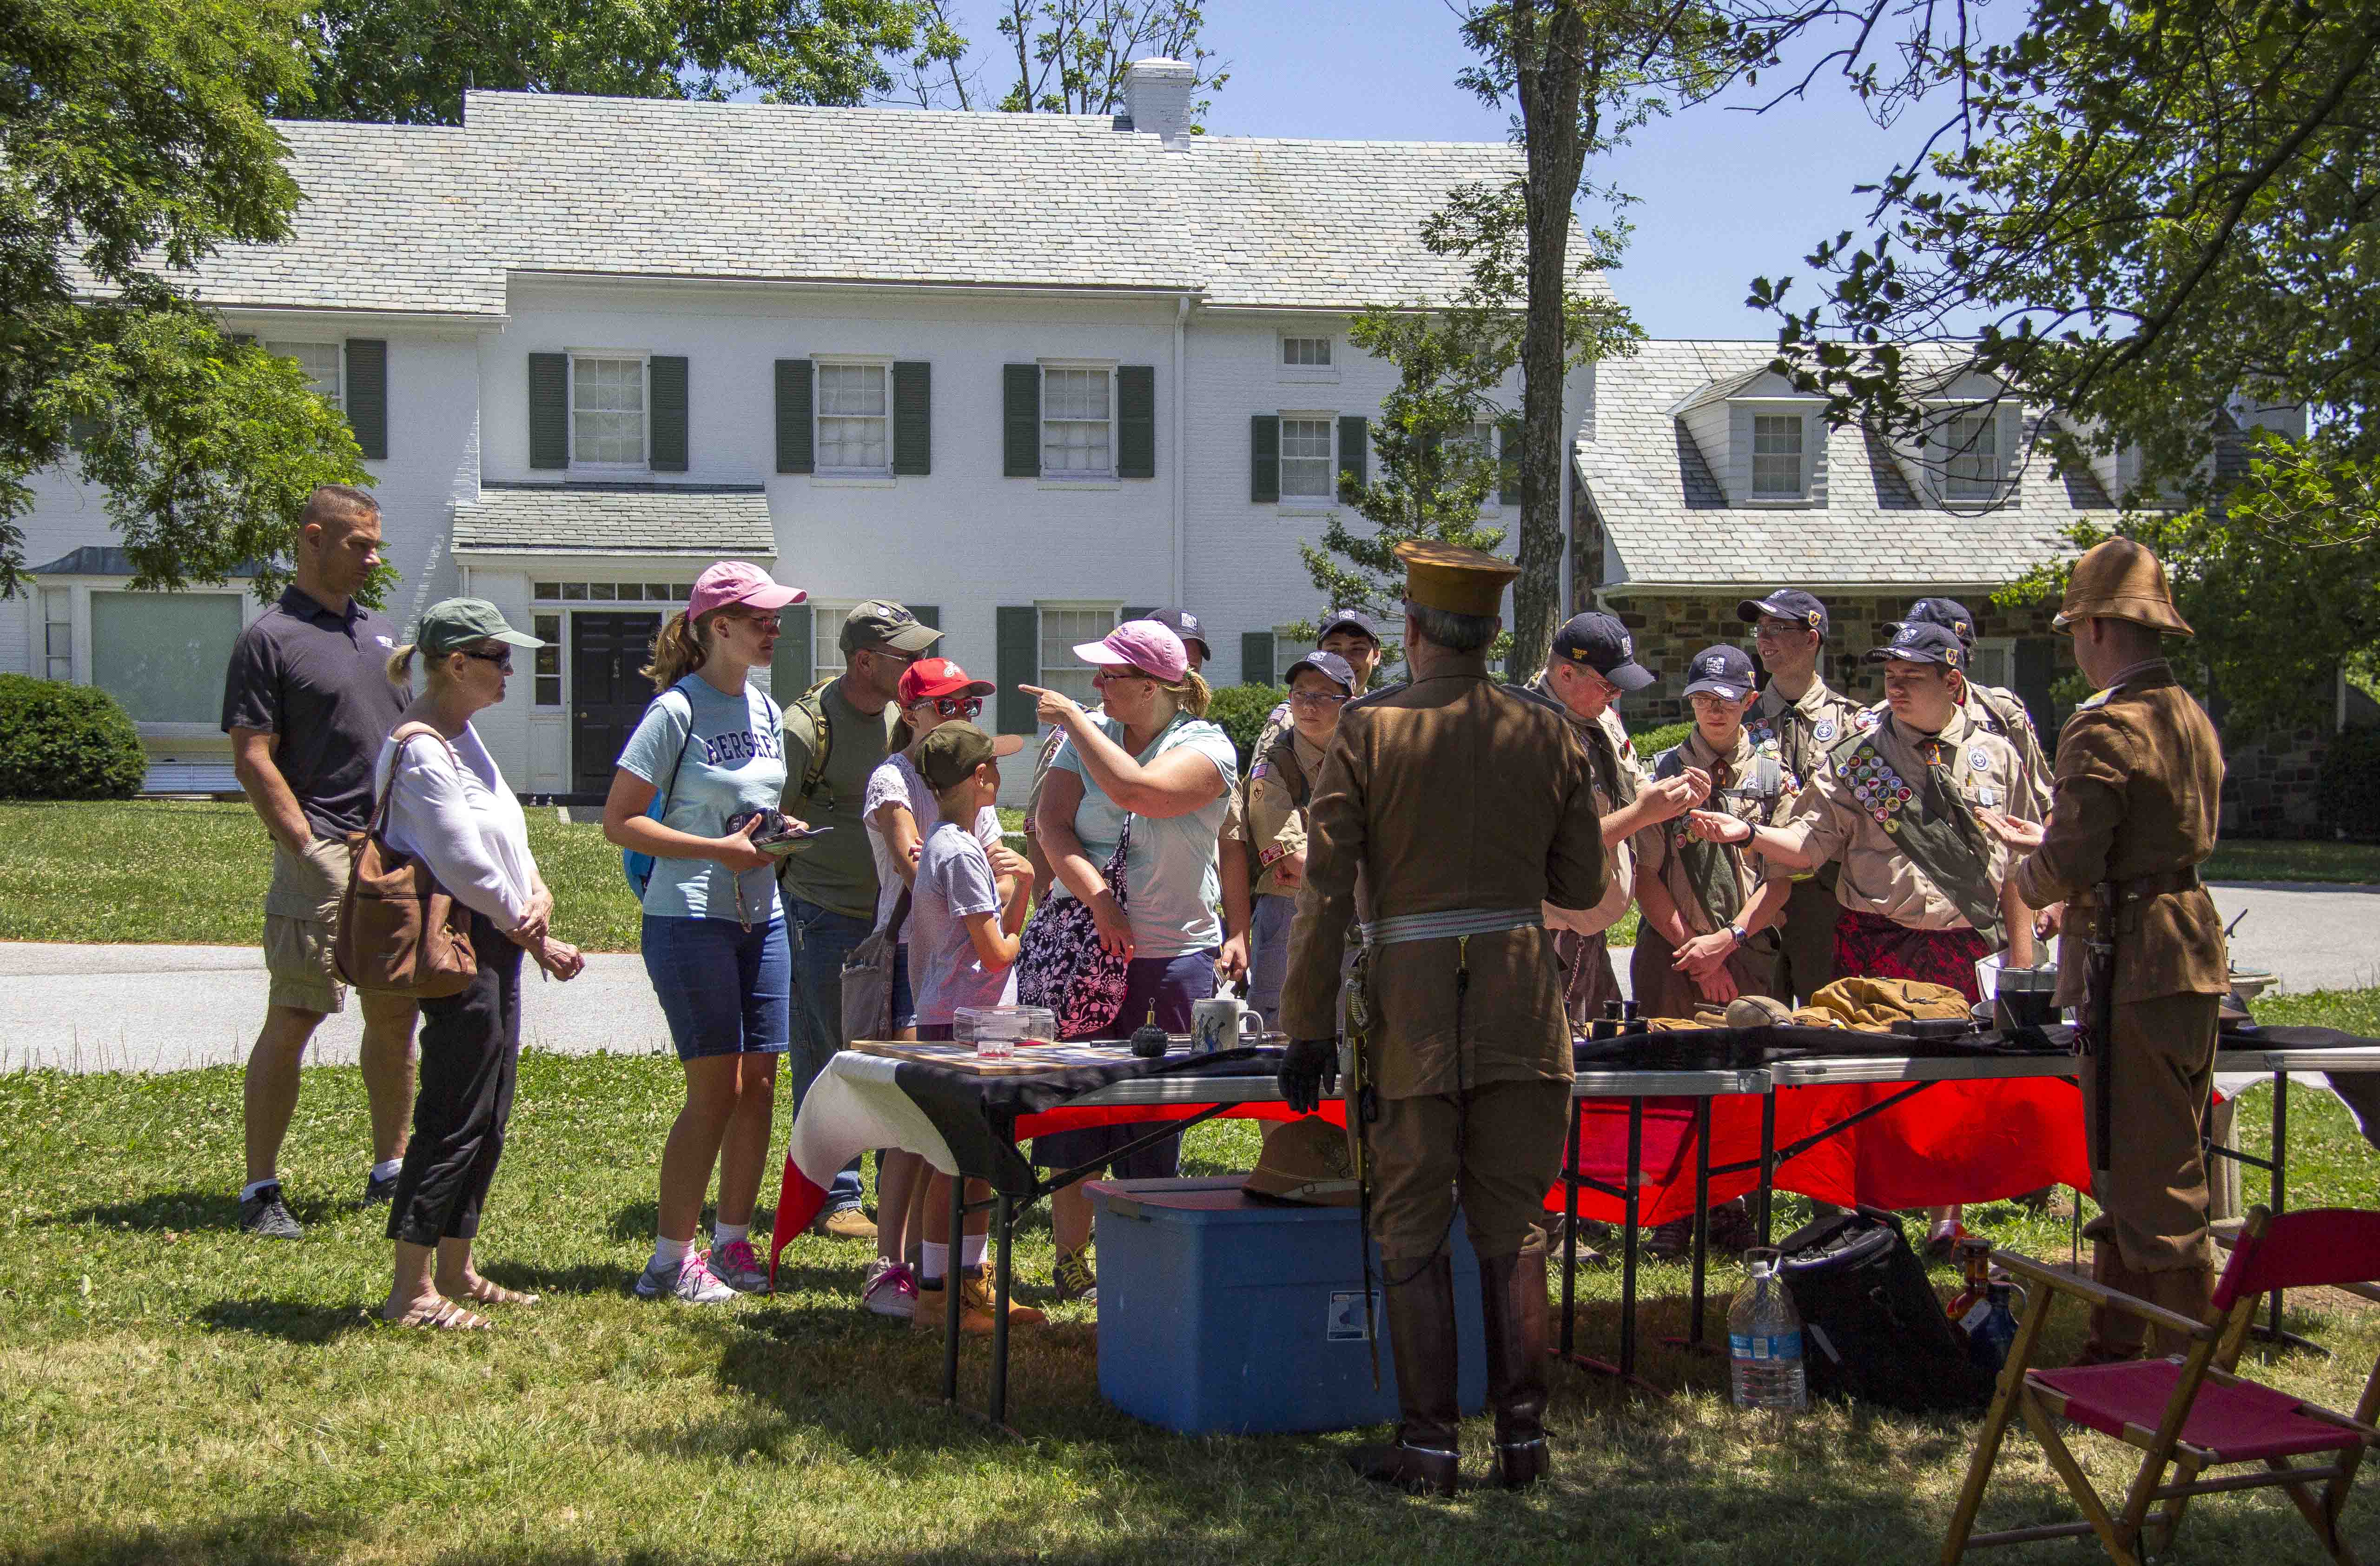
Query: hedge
{"points": [[61, 741], [1242, 710], [2347, 794], [1653, 741]]}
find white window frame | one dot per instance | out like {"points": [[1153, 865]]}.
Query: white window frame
{"points": [[1949, 449], [827, 616], [643, 361], [1800, 490], [1288, 647], [1995, 661], [336, 395], [57, 626], [579, 590], [1330, 422], [1041, 430], [77, 591], [557, 646], [1285, 370], [819, 416], [1053, 675]]}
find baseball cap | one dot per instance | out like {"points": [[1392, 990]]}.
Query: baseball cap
{"points": [[1329, 665], [1143, 645], [931, 677], [1184, 624], [1918, 641], [1354, 620], [1723, 671], [1786, 603], [953, 751], [1947, 611], [458, 621], [738, 581], [882, 623], [1603, 644]]}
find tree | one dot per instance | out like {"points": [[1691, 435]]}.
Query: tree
{"points": [[407, 61], [1058, 56], [134, 148]]}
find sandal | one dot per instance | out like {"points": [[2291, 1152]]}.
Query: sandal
{"points": [[482, 1291], [444, 1316]]}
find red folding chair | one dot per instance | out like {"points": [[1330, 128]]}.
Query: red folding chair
{"points": [[2189, 1412]]}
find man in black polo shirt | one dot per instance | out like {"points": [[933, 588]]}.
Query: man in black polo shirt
{"points": [[308, 703]]}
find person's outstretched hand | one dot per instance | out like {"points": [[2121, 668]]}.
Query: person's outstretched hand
{"points": [[2009, 829]]}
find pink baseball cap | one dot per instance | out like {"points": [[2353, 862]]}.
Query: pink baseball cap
{"points": [[1144, 645], [738, 581]]}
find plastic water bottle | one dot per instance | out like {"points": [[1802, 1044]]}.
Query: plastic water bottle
{"points": [[1764, 1341]]}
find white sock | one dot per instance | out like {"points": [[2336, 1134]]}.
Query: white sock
{"points": [[725, 1235], [253, 1186], [1944, 1226], [387, 1169], [670, 1253], [971, 1253], [937, 1265]]}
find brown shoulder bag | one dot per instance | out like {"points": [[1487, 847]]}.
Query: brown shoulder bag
{"points": [[399, 932]]}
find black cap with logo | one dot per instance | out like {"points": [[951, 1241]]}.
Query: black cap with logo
{"points": [[1920, 642], [1184, 624], [1945, 611], [1354, 620], [1603, 644], [1786, 603], [1722, 670]]}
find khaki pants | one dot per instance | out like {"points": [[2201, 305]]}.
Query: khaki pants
{"points": [[301, 920], [1496, 1148], [2153, 1199], [1806, 956]]}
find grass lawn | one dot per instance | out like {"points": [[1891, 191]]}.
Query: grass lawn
{"points": [[171, 1392], [2255, 859]]}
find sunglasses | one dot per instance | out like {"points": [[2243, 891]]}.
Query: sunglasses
{"points": [[503, 661], [767, 625], [1109, 673], [1317, 698], [958, 706]]}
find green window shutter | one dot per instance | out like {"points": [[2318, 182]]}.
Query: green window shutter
{"points": [[367, 398], [2032, 672], [1136, 421], [665, 375], [1355, 450], [913, 417], [797, 446], [1020, 426], [1255, 658], [1508, 462], [1264, 457], [789, 669], [931, 613], [1136, 612], [549, 410], [1018, 664]]}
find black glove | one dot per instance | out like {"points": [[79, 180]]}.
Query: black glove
{"points": [[1309, 1070]]}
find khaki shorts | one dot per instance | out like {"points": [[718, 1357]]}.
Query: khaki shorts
{"points": [[301, 920]]}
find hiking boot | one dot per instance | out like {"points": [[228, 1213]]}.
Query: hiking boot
{"points": [[266, 1217], [1670, 1241], [1732, 1233], [975, 1314], [846, 1223], [378, 1190], [1072, 1277], [891, 1290], [735, 1265], [690, 1280]]}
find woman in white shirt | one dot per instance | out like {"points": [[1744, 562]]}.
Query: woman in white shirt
{"points": [[444, 801]]}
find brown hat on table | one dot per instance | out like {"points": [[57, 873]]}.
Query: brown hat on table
{"points": [[2120, 580], [1458, 580], [1305, 1160]]}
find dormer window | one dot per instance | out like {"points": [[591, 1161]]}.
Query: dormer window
{"points": [[1776, 471], [1971, 464]]}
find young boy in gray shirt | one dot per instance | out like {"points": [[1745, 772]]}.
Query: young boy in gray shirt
{"points": [[962, 940]]}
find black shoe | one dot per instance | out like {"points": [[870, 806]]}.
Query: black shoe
{"points": [[264, 1216], [1670, 1241], [1732, 1233], [378, 1190]]}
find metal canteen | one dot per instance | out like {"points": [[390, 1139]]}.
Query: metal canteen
{"points": [[2026, 997]]}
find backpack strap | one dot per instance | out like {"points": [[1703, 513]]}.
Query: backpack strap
{"points": [[810, 705], [684, 743]]}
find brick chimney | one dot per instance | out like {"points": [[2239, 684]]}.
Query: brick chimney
{"points": [[1156, 100]]}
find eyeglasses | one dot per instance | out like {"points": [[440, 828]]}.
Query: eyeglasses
{"points": [[1768, 629], [767, 624], [1109, 673], [1317, 698], [503, 661], [899, 659], [958, 706]]}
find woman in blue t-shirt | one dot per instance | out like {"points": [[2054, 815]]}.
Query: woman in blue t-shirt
{"points": [[712, 747]]}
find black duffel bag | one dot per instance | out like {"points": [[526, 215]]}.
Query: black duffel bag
{"points": [[1872, 1330]]}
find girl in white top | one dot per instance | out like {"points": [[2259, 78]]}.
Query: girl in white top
{"points": [[899, 811], [445, 802]]}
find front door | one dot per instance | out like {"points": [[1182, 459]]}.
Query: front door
{"points": [[607, 694]]}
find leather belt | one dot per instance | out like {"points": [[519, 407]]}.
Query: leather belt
{"points": [[1450, 924], [2143, 887]]}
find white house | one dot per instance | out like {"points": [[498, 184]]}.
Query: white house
{"points": [[1020, 372]]}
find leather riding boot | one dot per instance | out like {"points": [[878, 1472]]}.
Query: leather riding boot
{"points": [[1512, 1306], [2115, 1335], [1420, 1300], [2185, 1291]]}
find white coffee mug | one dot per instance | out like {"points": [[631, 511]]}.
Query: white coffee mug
{"points": [[1223, 1023]]}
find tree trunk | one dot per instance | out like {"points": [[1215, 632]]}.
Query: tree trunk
{"points": [[1549, 51]]}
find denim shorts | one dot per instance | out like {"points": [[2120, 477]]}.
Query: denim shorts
{"points": [[725, 989]]}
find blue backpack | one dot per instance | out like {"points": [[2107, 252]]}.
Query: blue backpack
{"points": [[635, 863]]}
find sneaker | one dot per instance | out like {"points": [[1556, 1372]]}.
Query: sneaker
{"points": [[378, 1190], [891, 1289], [735, 1265], [266, 1217], [847, 1223], [1073, 1279], [690, 1280]]}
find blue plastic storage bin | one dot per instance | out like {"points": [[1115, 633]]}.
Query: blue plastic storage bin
{"points": [[1217, 1313]]}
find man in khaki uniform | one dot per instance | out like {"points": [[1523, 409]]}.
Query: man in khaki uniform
{"points": [[2140, 772], [1996, 708], [1465, 805], [1804, 715]]}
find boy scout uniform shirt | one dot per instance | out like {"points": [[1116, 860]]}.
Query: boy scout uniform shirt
{"points": [[1276, 826], [838, 871], [1804, 729], [2140, 776], [1732, 782], [1830, 823], [1999, 711], [1612, 767], [1453, 793]]}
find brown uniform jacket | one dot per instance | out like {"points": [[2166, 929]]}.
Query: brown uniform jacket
{"points": [[1612, 767], [2140, 775], [1452, 793]]}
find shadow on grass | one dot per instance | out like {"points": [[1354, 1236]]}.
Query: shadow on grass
{"points": [[265, 1538], [286, 1320], [593, 1278], [163, 1210]]}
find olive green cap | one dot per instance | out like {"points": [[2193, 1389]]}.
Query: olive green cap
{"points": [[456, 623]]}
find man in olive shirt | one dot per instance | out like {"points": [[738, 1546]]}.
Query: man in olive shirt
{"points": [[835, 738]]}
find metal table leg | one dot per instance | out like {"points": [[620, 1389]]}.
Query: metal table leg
{"points": [[1696, 1296], [950, 1291], [1570, 1222], [1003, 1224], [1767, 1162], [2272, 1331], [1628, 1204]]}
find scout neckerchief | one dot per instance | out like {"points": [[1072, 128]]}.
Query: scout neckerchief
{"points": [[1714, 871], [1926, 818]]}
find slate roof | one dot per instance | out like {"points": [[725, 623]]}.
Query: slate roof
{"points": [[1668, 524], [112, 560], [709, 520], [431, 218]]}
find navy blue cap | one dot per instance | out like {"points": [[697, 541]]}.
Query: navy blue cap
{"points": [[1922, 642], [1786, 603], [1724, 670], [1945, 611], [1184, 624], [1329, 665], [1347, 620], [1603, 644]]}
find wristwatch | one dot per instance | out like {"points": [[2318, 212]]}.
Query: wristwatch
{"points": [[1741, 938]]}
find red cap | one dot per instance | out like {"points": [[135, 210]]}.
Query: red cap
{"points": [[931, 677]]}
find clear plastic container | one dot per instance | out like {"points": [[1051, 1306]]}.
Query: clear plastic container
{"points": [[995, 1031], [1764, 1341]]}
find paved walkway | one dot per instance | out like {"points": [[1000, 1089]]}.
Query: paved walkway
{"points": [[169, 1008]]}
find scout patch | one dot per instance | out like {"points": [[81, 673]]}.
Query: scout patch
{"points": [[1824, 731], [1978, 759], [1866, 718], [1881, 792], [1259, 770]]}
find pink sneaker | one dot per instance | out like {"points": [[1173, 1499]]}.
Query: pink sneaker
{"points": [[690, 1280], [891, 1289], [735, 1265]]}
